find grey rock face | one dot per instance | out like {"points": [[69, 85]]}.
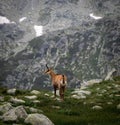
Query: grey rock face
{"points": [[74, 42]]}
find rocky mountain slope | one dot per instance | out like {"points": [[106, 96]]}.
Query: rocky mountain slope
{"points": [[80, 39]]}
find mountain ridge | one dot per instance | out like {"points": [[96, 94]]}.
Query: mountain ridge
{"points": [[73, 42]]}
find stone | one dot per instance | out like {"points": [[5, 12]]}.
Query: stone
{"points": [[96, 107], [109, 87], [84, 103], [31, 97], [117, 95], [81, 92], [1, 98], [5, 107], [57, 93], [109, 103], [111, 95], [118, 106], [35, 92], [16, 124], [85, 92], [92, 82], [75, 97], [46, 94], [36, 101], [78, 96], [110, 74], [11, 91], [17, 101], [55, 107], [1, 117], [15, 114], [33, 110], [103, 91], [38, 119], [99, 94]]}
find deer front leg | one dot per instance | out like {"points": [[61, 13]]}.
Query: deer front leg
{"points": [[55, 91], [61, 92]]}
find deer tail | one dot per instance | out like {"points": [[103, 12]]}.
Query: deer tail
{"points": [[63, 79]]}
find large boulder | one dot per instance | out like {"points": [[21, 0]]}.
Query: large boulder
{"points": [[5, 107], [38, 119], [15, 114]]}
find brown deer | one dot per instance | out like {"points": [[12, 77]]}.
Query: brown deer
{"points": [[58, 81]]}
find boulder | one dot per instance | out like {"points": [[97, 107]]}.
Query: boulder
{"points": [[34, 110], [96, 107], [11, 91], [110, 74], [46, 94], [16, 124], [5, 107], [35, 92], [17, 101], [36, 101], [38, 119], [91, 82], [1, 98], [81, 92], [84, 92], [15, 114], [56, 107], [118, 106], [109, 103], [78, 96], [31, 97]]}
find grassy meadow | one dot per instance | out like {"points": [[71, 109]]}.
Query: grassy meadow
{"points": [[73, 111]]}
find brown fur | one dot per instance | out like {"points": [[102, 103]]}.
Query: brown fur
{"points": [[58, 82]]}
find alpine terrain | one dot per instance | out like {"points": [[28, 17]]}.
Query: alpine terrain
{"points": [[79, 38]]}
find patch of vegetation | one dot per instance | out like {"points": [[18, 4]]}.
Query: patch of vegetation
{"points": [[79, 111]]}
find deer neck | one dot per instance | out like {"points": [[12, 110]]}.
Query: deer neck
{"points": [[52, 74]]}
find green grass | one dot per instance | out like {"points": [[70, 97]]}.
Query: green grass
{"points": [[79, 112]]}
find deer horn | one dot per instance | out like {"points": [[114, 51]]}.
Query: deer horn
{"points": [[47, 66]]}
